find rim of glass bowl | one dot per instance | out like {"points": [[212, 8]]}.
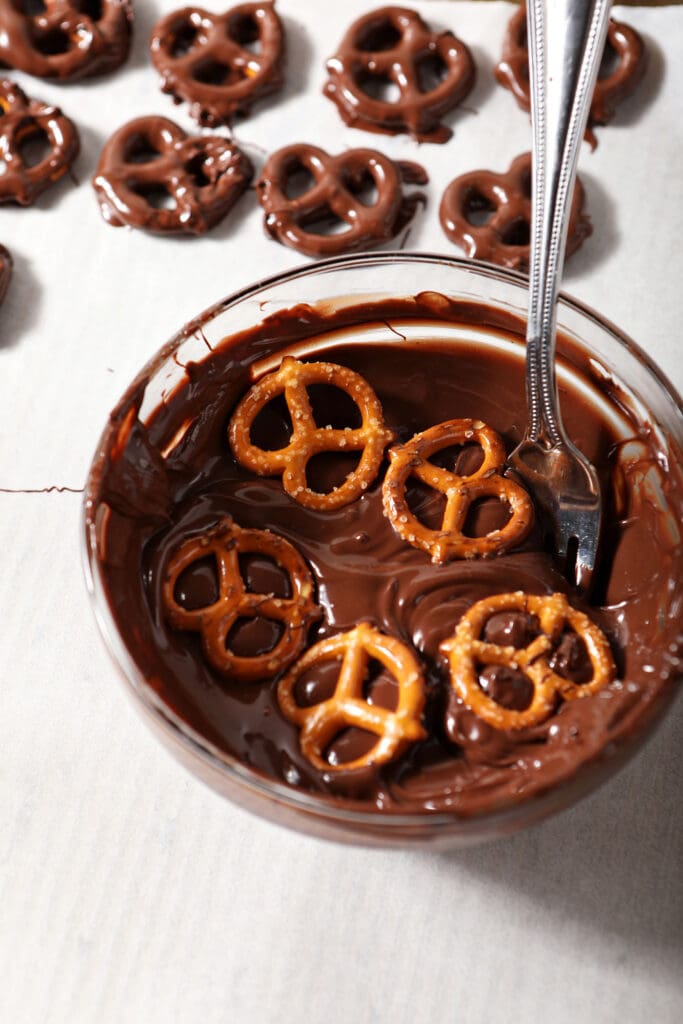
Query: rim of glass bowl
{"points": [[259, 785]]}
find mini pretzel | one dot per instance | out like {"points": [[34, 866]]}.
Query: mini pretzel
{"points": [[346, 707], [467, 652], [23, 121], [393, 44], [204, 176], [504, 238], [219, 64], [293, 379], [513, 69], [226, 542], [412, 460], [332, 191], [65, 39], [6, 264]]}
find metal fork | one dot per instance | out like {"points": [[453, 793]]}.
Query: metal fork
{"points": [[566, 42]]}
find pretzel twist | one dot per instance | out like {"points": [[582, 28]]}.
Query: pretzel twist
{"points": [[467, 653], [412, 460], [321, 723], [225, 542], [293, 379]]}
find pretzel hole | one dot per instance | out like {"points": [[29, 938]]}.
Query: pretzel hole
{"points": [[511, 629], [51, 43], [570, 659], [377, 86], [378, 36], [91, 8], [507, 686], [139, 150], [251, 637], [610, 62], [262, 575], [425, 504], [195, 168], [362, 187], [272, 428], [32, 8], [317, 683], [155, 195], [298, 180], [324, 221], [431, 72], [34, 146], [485, 516], [331, 406], [212, 72], [243, 29], [379, 687], [326, 471], [197, 586], [516, 233], [183, 39], [348, 745], [478, 209], [461, 459]]}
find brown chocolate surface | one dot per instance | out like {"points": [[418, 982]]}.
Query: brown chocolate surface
{"points": [[65, 39], [175, 478], [623, 66], [220, 64], [489, 215], [6, 264], [38, 144], [152, 175], [392, 48], [308, 195]]}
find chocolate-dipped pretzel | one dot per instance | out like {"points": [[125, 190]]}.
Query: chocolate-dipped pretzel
{"points": [[360, 188], [65, 39], [6, 264], [488, 214], [152, 175], [624, 66], [392, 47], [220, 64], [38, 145]]}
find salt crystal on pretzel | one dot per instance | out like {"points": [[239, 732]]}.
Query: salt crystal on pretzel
{"points": [[468, 653], [292, 380]]}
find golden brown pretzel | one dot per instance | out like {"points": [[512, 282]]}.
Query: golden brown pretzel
{"points": [[412, 460], [467, 653], [293, 379], [346, 707], [226, 542]]}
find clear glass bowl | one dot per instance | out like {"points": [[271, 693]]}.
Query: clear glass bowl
{"points": [[331, 285]]}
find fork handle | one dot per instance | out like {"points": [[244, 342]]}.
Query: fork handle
{"points": [[566, 39]]}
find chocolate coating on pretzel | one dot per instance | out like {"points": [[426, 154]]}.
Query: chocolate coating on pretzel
{"points": [[25, 123], [335, 194], [489, 215], [152, 175], [66, 39], [624, 63], [6, 265], [394, 47], [220, 64]]}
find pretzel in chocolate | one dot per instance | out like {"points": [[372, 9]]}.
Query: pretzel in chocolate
{"points": [[488, 215], [65, 39], [6, 264], [152, 175], [615, 84], [220, 64], [225, 543], [528, 643], [38, 145], [461, 492], [292, 379], [392, 47], [347, 707], [335, 193]]}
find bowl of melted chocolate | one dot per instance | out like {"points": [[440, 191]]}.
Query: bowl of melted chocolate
{"points": [[326, 594]]}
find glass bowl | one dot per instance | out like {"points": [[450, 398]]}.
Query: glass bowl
{"points": [[634, 383]]}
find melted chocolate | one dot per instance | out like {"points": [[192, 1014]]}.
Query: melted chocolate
{"points": [[147, 503]]}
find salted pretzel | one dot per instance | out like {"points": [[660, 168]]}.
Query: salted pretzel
{"points": [[394, 44], [25, 121], [220, 63], [6, 264], [412, 460], [292, 379], [346, 708], [204, 176], [335, 181], [504, 235], [226, 542], [65, 39], [467, 653], [610, 89]]}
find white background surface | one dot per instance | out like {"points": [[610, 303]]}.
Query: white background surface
{"points": [[128, 891]]}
